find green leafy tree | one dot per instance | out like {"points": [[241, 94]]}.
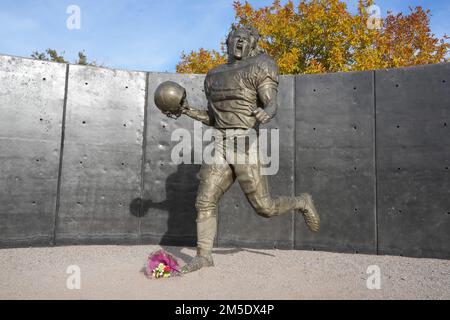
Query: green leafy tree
{"points": [[52, 55]]}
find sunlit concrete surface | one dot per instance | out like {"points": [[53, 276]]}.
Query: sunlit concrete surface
{"points": [[115, 272]]}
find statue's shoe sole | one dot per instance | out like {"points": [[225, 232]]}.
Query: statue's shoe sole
{"points": [[310, 213]]}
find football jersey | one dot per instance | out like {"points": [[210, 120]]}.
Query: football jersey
{"points": [[232, 90]]}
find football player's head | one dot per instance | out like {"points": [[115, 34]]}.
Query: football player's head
{"points": [[242, 42]]}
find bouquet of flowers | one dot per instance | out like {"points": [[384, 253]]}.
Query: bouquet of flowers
{"points": [[161, 264]]}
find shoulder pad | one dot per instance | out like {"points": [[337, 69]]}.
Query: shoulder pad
{"points": [[216, 68], [265, 62]]}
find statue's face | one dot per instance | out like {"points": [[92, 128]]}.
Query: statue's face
{"points": [[240, 45]]}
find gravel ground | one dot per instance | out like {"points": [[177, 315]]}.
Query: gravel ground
{"points": [[116, 272]]}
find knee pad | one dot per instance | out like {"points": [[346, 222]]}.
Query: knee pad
{"points": [[203, 215], [205, 203]]}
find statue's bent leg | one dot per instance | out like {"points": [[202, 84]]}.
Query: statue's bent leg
{"points": [[256, 189], [215, 180]]}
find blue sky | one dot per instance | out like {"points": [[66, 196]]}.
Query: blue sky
{"points": [[146, 35]]}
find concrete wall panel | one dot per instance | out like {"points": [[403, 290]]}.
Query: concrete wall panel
{"points": [[167, 207], [413, 158], [335, 160], [31, 111], [102, 156]]}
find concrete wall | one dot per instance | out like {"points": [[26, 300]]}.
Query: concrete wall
{"points": [[335, 159], [86, 158]]}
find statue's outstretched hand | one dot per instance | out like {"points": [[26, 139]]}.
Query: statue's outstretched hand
{"points": [[261, 116]]}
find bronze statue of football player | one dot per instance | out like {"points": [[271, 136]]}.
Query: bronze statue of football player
{"points": [[241, 95]]}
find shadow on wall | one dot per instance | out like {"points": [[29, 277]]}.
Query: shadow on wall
{"points": [[181, 191]]}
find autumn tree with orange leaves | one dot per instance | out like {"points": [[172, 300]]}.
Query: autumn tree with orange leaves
{"points": [[200, 61], [318, 36]]}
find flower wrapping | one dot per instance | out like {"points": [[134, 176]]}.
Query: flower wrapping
{"points": [[161, 264]]}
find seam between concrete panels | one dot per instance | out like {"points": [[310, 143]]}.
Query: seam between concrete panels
{"points": [[294, 216], [375, 160], [61, 155], [144, 150]]}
